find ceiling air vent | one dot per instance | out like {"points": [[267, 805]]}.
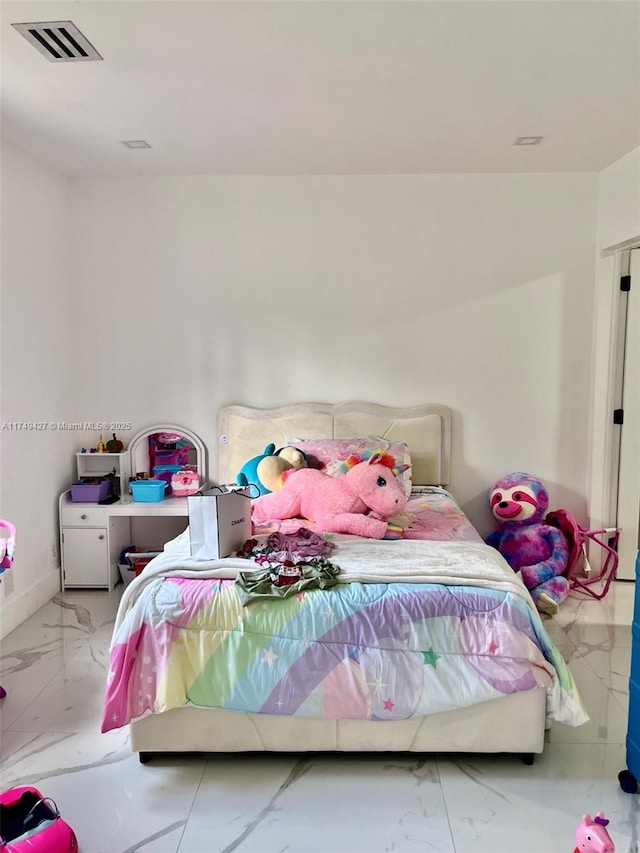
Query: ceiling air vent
{"points": [[59, 41]]}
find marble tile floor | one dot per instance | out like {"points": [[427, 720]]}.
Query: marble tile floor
{"points": [[53, 667]]}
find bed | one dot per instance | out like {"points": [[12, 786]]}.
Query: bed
{"points": [[429, 643]]}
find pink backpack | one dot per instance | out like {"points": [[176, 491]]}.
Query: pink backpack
{"points": [[579, 570]]}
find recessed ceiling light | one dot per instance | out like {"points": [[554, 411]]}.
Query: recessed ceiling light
{"points": [[136, 143], [528, 140]]}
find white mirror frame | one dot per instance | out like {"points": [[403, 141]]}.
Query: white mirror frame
{"points": [[138, 445]]}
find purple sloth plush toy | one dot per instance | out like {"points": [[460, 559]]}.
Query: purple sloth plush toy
{"points": [[537, 550]]}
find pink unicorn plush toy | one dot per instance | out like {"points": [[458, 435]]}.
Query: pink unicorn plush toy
{"points": [[359, 502], [592, 835]]}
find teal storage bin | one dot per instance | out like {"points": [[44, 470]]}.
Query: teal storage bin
{"points": [[148, 491]]}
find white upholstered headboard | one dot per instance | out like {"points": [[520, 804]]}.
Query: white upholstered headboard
{"points": [[244, 432]]}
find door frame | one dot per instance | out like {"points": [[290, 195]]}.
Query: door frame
{"points": [[629, 477], [607, 387]]}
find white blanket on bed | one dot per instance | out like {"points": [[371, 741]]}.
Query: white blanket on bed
{"points": [[360, 561], [409, 561]]}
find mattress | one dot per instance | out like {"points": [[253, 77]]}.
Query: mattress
{"points": [[432, 623]]}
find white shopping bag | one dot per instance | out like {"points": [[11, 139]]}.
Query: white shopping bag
{"points": [[219, 521]]}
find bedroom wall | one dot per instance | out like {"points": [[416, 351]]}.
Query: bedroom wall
{"points": [[37, 381], [619, 202], [470, 290]]}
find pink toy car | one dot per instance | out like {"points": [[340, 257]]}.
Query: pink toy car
{"points": [[29, 823]]}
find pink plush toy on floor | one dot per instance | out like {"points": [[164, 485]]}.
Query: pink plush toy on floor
{"points": [[539, 551], [359, 502], [592, 835]]}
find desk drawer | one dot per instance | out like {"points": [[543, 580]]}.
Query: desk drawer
{"points": [[84, 516]]}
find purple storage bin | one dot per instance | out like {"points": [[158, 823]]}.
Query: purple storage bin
{"points": [[87, 493]]}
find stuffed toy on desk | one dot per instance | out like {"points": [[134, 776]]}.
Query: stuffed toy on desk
{"points": [[532, 547]]}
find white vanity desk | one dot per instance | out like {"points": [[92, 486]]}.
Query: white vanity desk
{"points": [[93, 535]]}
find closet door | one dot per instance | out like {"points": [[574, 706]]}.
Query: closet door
{"points": [[629, 480]]}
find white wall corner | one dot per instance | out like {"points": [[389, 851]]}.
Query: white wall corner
{"points": [[605, 320], [619, 203], [18, 606]]}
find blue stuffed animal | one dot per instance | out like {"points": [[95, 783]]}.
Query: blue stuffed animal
{"points": [[248, 475], [267, 471]]}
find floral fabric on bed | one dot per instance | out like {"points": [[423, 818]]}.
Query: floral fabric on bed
{"points": [[335, 456]]}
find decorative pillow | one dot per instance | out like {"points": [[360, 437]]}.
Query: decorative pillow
{"points": [[335, 456]]}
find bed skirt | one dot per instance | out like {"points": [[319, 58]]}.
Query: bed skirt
{"points": [[514, 724]]}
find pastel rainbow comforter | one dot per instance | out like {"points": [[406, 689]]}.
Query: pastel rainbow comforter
{"points": [[415, 627]]}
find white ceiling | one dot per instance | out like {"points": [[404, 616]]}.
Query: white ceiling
{"points": [[279, 88]]}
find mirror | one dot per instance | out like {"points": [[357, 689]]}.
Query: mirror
{"points": [[161, 451]]}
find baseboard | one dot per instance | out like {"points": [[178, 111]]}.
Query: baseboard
{"points": [[18, 606]]}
